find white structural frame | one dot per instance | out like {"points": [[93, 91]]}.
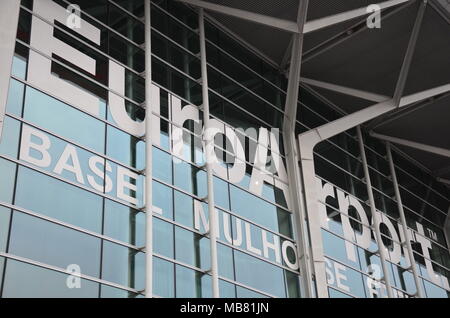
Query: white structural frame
{"points": [[9, 20], [148, 156], [292, 156], [208, 139], [406, 233], [412, 144], [376, 222], [447, 225]]}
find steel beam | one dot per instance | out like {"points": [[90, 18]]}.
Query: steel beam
{"points": [[285, 25], [208, 138], [345, 16], [347, 34], [292, 159], [442, 180], [9, 19], [406, 234], [400, 87], [412, 144], [375, 217], [148, 157], [345, 90], [447, 226]]}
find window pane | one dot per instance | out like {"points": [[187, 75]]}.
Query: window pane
{"points": [[112, 292], [5, 216], [259, 274], [184, 209], [54, 244], [125, 148], [192, 248], [162, 165], [10, 138], [163, 278], [226, 289], [29, 281], [254, 208], [162, 199], [192, 284], [247, 293], [15, 98], [123, 266], [162, 238], [124, 224], [64, 120], [58, 200], [8, 174]]}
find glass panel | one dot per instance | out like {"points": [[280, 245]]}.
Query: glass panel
{"points": [[247, 293], [162, 238], [8, 175], [192, 248], [15, 98], [5, 216], [123, 266], [19, 67], [125, 148], [221, 194], [190, 178], [163, 278], [253, 208], [162, 199], [29, 281], [293, 284], [226, 289], [112, 292], [124, 224], [184, 209], [162, 165], [192, 284], [259, 274], [54, 244], [10, 138], [58, 200], [64, 120]]}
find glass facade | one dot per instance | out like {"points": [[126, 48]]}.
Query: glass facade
{"points": [[71, 195]]}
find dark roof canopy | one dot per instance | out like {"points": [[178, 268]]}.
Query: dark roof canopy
{"points": [[348, 55]]}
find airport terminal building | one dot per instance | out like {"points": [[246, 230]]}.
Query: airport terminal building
{"points": [[225, 148]]}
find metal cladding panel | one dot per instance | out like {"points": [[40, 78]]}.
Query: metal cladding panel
{"points": [[370, 60], [282, 9]]}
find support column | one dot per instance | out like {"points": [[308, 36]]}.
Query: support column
{"points": [[292, 157], [208, 138], [375, 217], [9, 19], [407, 242], [148, 157]]}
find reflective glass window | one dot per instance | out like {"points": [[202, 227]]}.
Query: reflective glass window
{"points": [[163, 238], [53, 244], [124, 223], [163, 278], [123, 266], [5, 217], [58, 200], [64, 120], [192, 284], [7, 175], [29, 281], [15, 98], [259, 274]]}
